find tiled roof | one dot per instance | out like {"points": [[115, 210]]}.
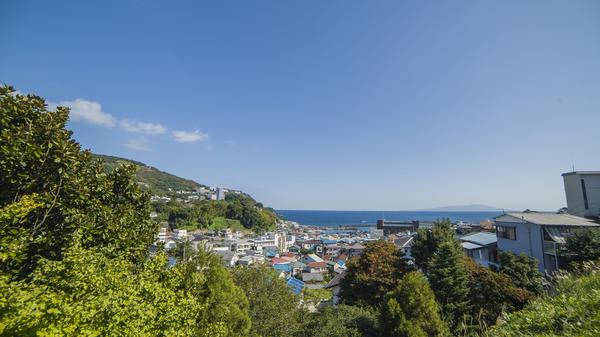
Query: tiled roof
{"points": [[276, 260], [317, 264]]}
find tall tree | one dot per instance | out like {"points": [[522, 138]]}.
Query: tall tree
{"points": [[74, 245], [411, 310], [374, 273], [39, 158], [448, 277], [274, 309], [583, 245], [522, 270], [492, 293], [428, 240]]}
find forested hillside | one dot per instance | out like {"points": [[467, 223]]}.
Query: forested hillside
{"points": [[149, 177]]}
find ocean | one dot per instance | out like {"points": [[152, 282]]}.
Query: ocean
{"points": [[366, 218]]}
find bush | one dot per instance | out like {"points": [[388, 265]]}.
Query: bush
{"points": [[573, 310]]}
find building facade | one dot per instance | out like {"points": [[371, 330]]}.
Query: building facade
{"points": [[582, 189], [538, 235]]}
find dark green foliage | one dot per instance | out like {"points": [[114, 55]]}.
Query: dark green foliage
{"points": [[522, 270], [572, 310], [274, 309], [39, 158], [583, 245], [492, 293], [411, 310], [448, 278], [428, 240], [342, 321], [374, 273], [202, 214]]}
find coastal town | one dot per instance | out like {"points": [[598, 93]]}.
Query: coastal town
{"points": [[314, 257], [300, 168]]}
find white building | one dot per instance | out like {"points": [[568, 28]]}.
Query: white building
{"points": [[582, 189], [180, 234], [221, 193], [261, 243], [163, 234], [241, 246], [538, 235]]}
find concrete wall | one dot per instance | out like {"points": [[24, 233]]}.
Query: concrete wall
{"points": [[529, 241], [574, 194]]}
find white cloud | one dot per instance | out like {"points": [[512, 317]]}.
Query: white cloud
{"points": [[141, 127], [91, 112], [137, 145], [189, 137], [88, 111]]}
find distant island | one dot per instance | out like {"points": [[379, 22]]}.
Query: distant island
{"points": [[464, 208]]}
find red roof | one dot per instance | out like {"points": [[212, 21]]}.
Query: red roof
{"points": [[317, 264], [276, 260]]}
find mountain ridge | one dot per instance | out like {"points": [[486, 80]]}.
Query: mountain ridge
{"points": [[463, 208]]}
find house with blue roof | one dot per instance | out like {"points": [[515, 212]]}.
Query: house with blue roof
{"points": [[481, 246], [295, 285], [285, 267]]}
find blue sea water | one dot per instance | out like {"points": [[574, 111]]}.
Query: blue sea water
{"points": [[366, 218]]}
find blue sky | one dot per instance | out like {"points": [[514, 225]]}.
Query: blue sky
{"points": [[365, 105]]}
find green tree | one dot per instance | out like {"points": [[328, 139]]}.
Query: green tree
{"points": [[183, 250], [374, 273], [583, 245], [522, 270], [342, 321], [274, 309], [74, 245], [427, 241], [411, 310], [492, 293], [448, 278], [38, 157], [89, 294]]}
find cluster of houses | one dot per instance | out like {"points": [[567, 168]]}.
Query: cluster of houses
{"points": [[313, 257], [200, 193], [307, 257]]}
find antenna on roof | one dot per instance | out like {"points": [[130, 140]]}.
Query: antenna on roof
{"points": [[572, 164]]}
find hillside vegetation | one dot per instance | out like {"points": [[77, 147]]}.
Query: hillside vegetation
{"points": [[150, 178], [237, 211]]}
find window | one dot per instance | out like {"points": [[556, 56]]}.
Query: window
{"points": [[506, 232], [585, 200]]}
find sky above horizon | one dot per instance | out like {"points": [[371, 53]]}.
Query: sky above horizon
{"points": [[346, 105]]}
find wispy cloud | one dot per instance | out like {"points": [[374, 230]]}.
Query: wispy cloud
{"points": [[189, 137], [141, 127], [91, 112], [88, 111], [137, 145]]}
